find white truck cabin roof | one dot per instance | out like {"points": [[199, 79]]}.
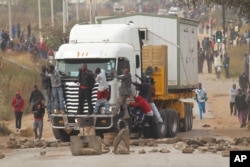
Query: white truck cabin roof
{"points": [[92, 50], [105, 33]]}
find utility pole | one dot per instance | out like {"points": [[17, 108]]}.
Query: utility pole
{"points": [[90, 11], [77, 11], [10, 18], [52, 13], [39, 19], [64, 18], [224, 26]]}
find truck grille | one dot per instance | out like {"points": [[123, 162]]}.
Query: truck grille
{"points": [[71, 98]]}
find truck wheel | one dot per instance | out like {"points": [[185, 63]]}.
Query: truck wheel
{"points": [[190, 118], [186, 120], [162, 127], [173, 123], [60, 134]]}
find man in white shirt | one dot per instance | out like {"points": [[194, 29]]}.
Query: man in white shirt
{"points": [[102, 93], [201, 98], [233, 92]]}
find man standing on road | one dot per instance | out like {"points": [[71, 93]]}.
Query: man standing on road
{"points": [[240, 102], [18, 105], [201, 98], [244, 82], [35, 95], [233, 92], [38, 110]]}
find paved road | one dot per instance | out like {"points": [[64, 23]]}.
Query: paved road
{"points": [[58, 157]]}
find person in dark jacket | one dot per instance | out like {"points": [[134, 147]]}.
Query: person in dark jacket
{"points": [[35, 95], [38, 110], [148, 115], [86, 81], [241, 105], [244, 82]]}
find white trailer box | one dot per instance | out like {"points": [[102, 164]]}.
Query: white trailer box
{"points": [[179, 34]]}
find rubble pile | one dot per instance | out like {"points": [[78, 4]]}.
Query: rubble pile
{"points": [[204, 144]]}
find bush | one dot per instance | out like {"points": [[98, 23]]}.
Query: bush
{"points": [[4, 130]]}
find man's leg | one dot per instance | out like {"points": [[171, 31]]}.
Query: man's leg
{"points": [[80, 102], [40, 128], [88, 96], [56, 104]]}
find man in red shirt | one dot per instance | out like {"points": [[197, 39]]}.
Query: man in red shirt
{"points": [[18, 105], [148, 115]]}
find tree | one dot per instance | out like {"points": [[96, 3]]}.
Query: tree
{"points": [[242, 5]]}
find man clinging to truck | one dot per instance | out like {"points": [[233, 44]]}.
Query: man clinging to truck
{"points": [[86, 80]]}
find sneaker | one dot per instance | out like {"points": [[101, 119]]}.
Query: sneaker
{"points": [[17, 129]]}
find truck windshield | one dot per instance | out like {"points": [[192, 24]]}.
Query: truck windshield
{"points": [[70, 67]]}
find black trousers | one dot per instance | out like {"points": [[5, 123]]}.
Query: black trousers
{"points": [[18, 116], [151, 121], [85, 94]]}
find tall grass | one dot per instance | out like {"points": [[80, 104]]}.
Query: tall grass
{"points": [[236, 54], [14, 77]]}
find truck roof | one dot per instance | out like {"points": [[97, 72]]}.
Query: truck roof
{"points": [[92, 50], [115, 33]]}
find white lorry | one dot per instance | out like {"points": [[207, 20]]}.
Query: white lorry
{"points": [[114, 47]]}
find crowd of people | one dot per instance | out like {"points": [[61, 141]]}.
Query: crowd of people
{"points": [[50, 98], [240, 100], [24, 41]]}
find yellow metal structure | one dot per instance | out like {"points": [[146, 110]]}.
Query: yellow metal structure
{"points": [[156, 57]]}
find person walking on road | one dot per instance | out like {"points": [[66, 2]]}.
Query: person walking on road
{"points": [[244, 82], [18, 105], [240, 102], [233, 92], [35, 95], [201, 98], [38, 110], [248, 105]]}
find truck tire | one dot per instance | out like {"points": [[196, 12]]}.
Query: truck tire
{"points": [[186, 121], [173, 123], [190, 118], [61, 135], [162, 127]]}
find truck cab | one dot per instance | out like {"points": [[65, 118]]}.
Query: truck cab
{"points": [[109, 47]]}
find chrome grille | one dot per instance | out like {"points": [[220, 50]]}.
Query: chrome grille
{"points": [[71, 97]]}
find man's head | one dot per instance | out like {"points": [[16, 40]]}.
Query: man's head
{"points": [[199, 85], [97, 71], [126, 71], [234, 86], [84, 66], [18, 95], [51, 68], [43, 68], [35, 87]]}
